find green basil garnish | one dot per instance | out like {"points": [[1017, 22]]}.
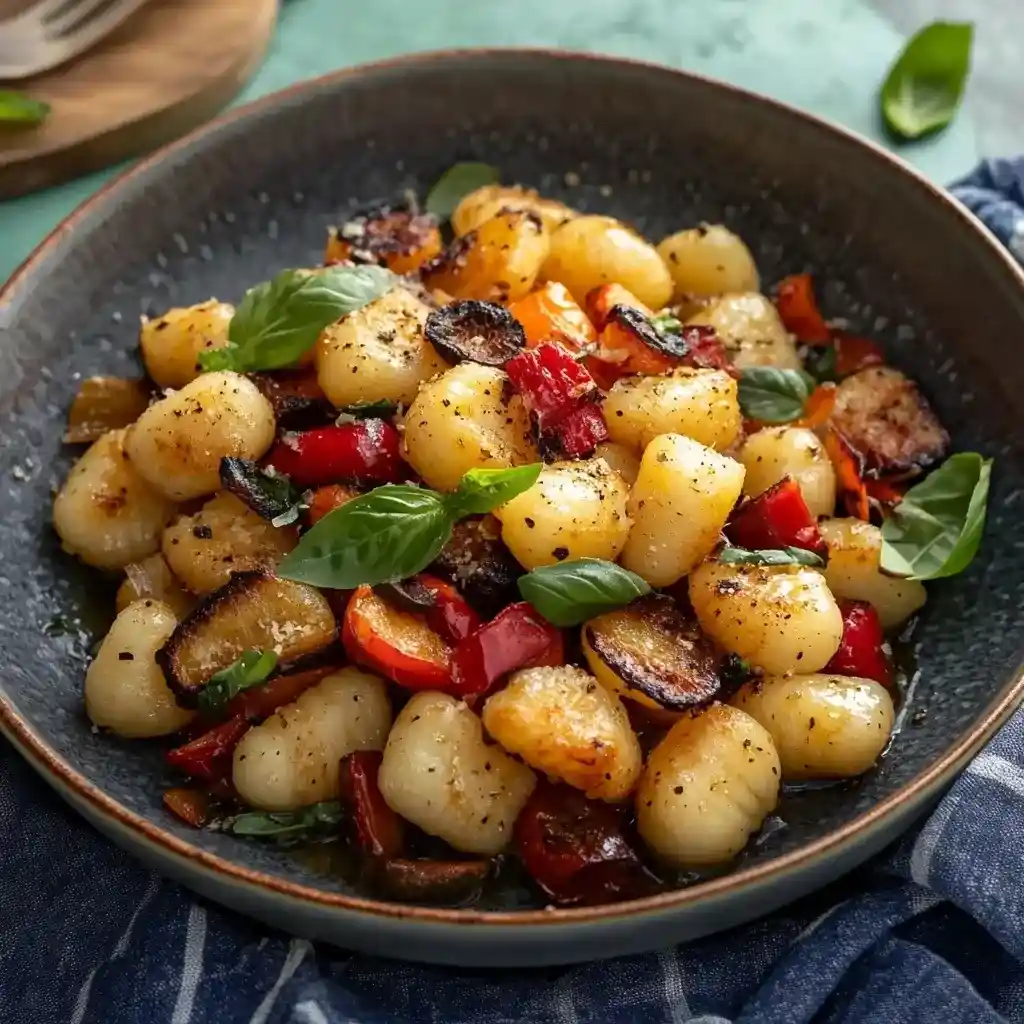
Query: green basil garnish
{"points": [[482, 490], [382, 410], [251, 669], [314, 820], [280, 320], [820, 362], [272, 496], [569, 593], [20, 110], [936, 529], [395, 531], [924, 86], [772, 395], [455, 184], [666, 323], [770, 556]]}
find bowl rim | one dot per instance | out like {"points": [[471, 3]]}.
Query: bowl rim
{"points": [[912, 796]]}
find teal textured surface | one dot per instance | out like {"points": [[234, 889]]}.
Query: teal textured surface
{"points": [[828, 58]]}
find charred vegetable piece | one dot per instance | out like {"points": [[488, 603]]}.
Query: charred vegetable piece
{"points": [[853, 354], [440, 604], [270, 495], [861, 652], [430, 881], [253, 611], [705, 350], [601, 301], [208, 756], [576, 849], [777, 518], [395, 643], [887, 422], [631, 343], [552, 383], [395, 236], [576, 436], [477, 561], [516, 637], [379, 831], [104, 404], [849, 467], [364, 451], [798, 309], [653, 652], [192, 806], [297, 398], [327, 499], [550, 313], [481, 332]]}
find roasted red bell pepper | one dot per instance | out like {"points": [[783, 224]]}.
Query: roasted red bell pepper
{"points": [[778, 518], [706, 351], [551, 382], [854, 354], [192, 806], [262, 701], [860, 651], [379, 830], [209, 755], [576, 849], [884, 492], [364, 451], [799, 311], [515, 638], [451, 615], [578, 434], [849, 467], [326, 499], [395, 643]]}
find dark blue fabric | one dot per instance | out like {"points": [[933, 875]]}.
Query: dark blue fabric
{"points": [[933, 933]]}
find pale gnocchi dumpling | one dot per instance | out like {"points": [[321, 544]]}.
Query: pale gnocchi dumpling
{"points": [[378, 353], [620, 458], [438, 773], [771, 454], [152, 578], [854, 571], [466, 419], [178, 442], [293, 758], [751, 331], [779, 618], [107, 513], [574, 510], [707, 788], [589, 251], [223, 537], [125, 689], [562, 722], [171, 344], [824, 726], [484, 203], [700, 404], [709, 260], [679, 504]]}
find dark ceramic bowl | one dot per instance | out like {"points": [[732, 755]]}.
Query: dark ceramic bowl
{"points": [[252, 193]]}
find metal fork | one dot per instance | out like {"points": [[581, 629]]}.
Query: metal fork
{"points": [[51, 32]]}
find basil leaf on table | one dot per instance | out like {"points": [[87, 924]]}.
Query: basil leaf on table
{"points": [[924, 86], [316, 819], [482, 490], [251, 669], [395, 531], [936, 529], [280, 320], [455, 184], [772, 395], [18, 109], [770, 556], [569, 593]]}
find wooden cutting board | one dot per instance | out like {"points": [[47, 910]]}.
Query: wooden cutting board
{"points": [[170, 67]]}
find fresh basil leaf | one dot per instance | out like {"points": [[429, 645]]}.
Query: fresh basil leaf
{"points": [[280, 320], [314, 820], [18, 109], [924, 86], [569, 593], [270, 495], [936, 529], [666, 323], [482, 490], [770, 556], [251, 669], [772, 395], [820, 362], [393, 532], [370, 410], [455, 184]]}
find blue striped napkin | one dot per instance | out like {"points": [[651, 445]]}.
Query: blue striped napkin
{"points": [[931, 934]]}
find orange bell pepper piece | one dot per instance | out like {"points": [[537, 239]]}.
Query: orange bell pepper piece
{"points": [[794, 299], [549, 313], [818, 408], [600, 302], [847, 464]]}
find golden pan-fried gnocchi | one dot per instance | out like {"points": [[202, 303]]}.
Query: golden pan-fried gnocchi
{"points": [[579, 508]]}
